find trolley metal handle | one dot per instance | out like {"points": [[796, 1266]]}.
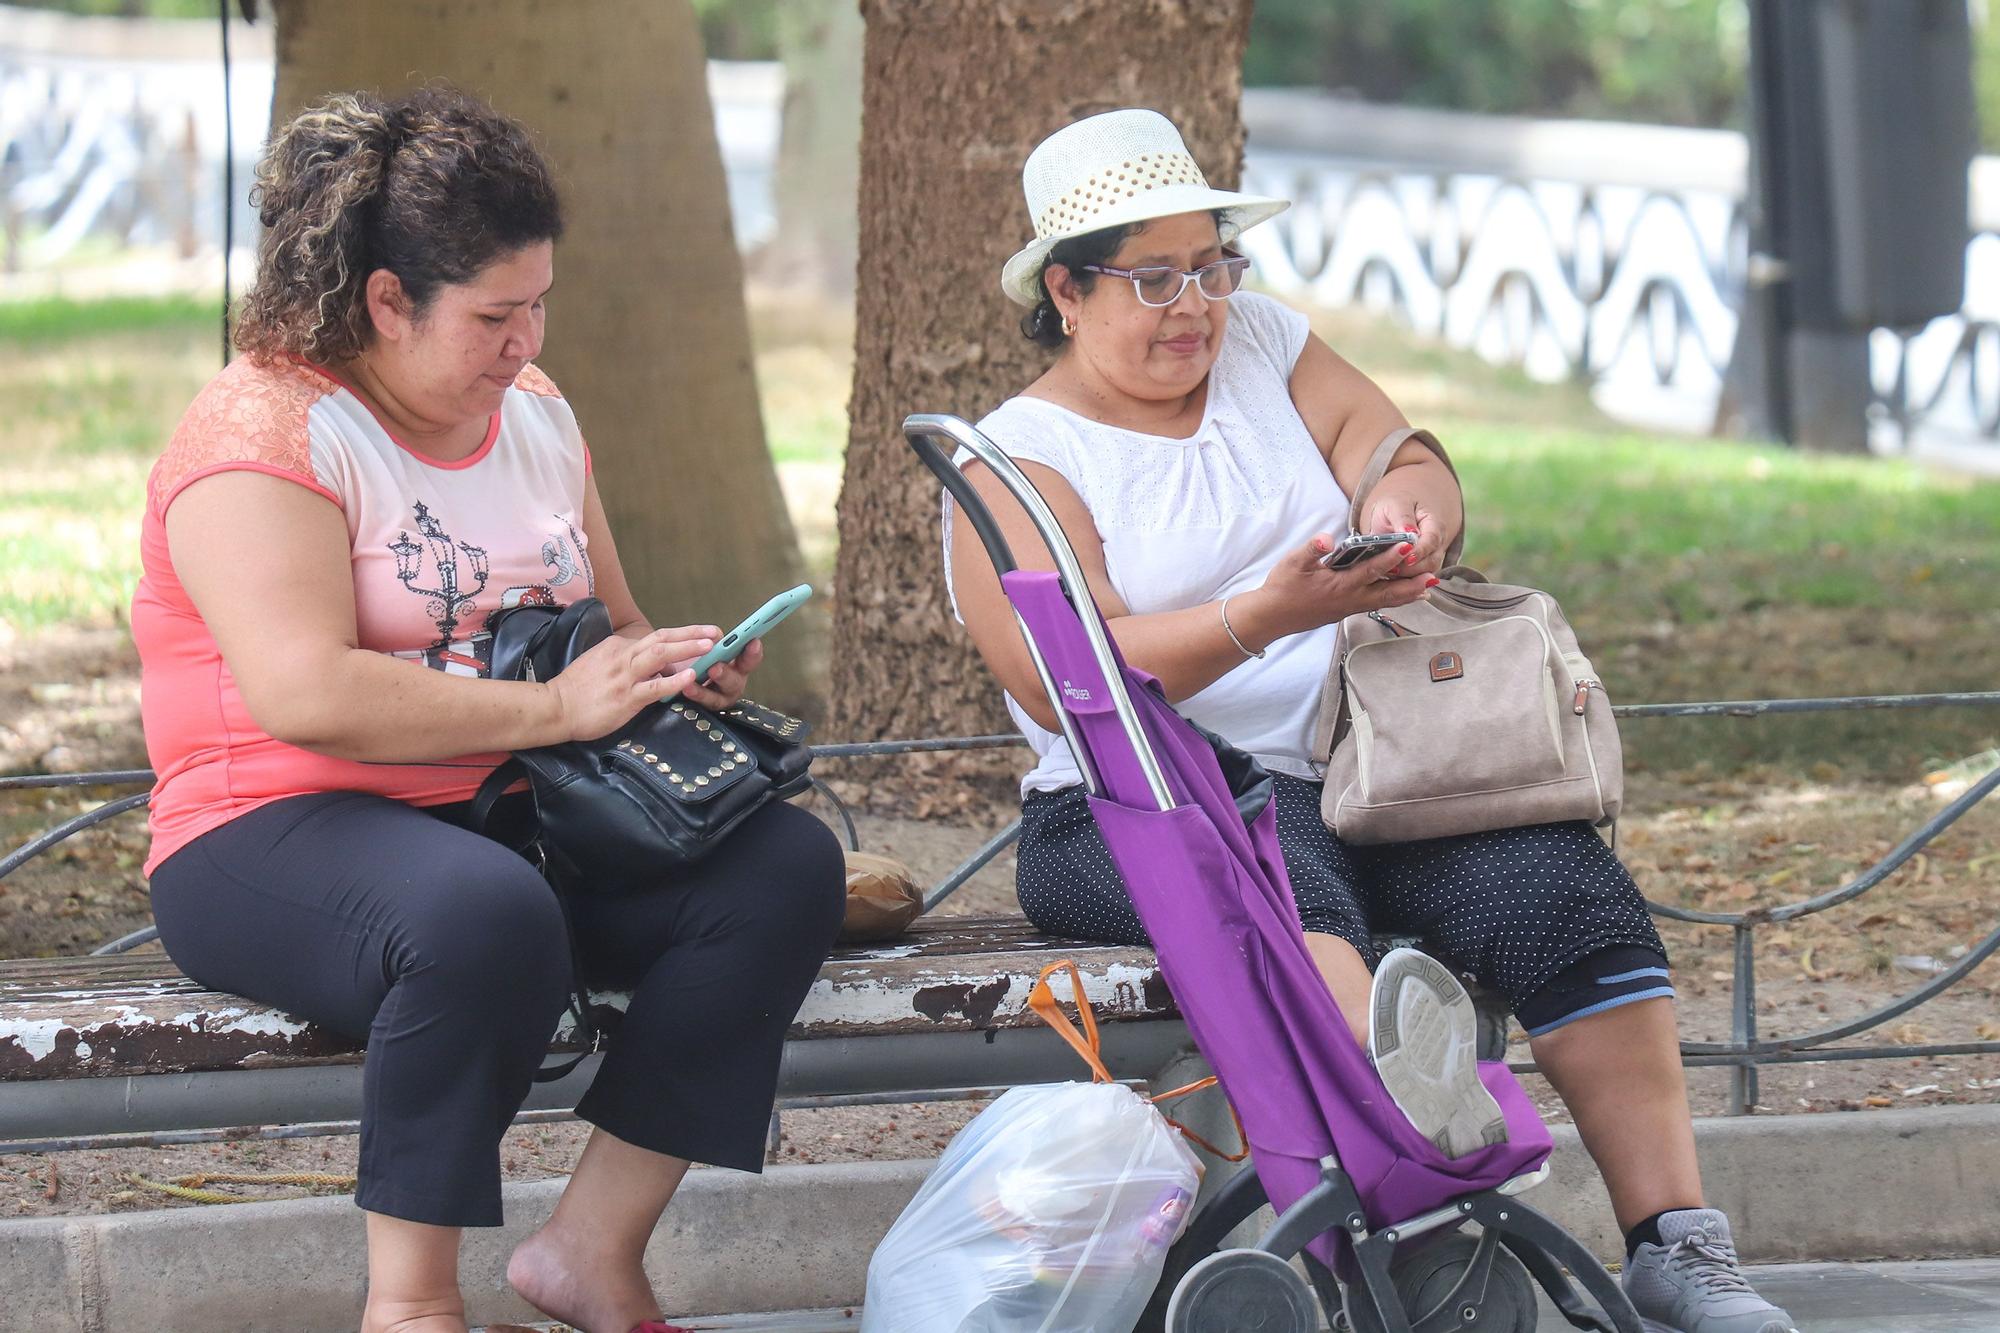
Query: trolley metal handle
{"points": [[924, 430]]}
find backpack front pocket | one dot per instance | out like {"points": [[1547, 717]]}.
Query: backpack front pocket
{"points": [[1465, 711]]}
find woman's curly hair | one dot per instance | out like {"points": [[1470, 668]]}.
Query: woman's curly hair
{"points": [[433, 187]]}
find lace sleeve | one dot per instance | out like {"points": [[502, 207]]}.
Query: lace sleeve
{"points": [[251, 417]]}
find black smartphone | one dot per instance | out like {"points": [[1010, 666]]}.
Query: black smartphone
{"points": [[1357, 546]]}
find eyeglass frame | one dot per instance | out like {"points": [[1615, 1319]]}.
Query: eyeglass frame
{"points": [[1239, 264]]}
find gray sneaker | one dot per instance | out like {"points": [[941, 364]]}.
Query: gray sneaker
{"points": [[1693, 1283], [1423, 1038]]}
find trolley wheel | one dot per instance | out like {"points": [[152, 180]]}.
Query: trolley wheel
{"points": [[1242, 1291], [1425, 1278]]}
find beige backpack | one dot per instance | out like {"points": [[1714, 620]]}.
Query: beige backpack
{"points": [[1472, 711]]}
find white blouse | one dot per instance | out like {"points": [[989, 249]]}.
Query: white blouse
{"points": [[1189, 521]]}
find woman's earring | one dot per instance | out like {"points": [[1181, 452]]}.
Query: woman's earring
{"points": [[1068, 327]]}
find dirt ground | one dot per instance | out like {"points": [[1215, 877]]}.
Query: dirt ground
{"points": [[68, 702]]}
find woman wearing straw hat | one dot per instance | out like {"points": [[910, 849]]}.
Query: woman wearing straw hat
{"points": [[1198, 444]]}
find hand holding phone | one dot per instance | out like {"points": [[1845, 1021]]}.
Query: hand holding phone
{"points": [[755, 626], [1358, 546]]}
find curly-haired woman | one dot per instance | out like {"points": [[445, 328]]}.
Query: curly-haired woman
{"points": [[324, 537]]}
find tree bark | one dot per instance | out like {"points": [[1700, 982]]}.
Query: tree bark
{"points": [[955, 94], [648, 335]]}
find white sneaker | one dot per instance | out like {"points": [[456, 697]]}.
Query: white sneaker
{"points": [[1423, 1037]]}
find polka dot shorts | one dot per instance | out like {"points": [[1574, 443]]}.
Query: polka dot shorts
{"points": [[1544, 915]]}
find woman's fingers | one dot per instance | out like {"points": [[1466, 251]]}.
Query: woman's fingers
{"points": [[710, 632], [1402, 592], [674, 645], [1386, 565], [722, 689], [1393, 515], [655, 688]]}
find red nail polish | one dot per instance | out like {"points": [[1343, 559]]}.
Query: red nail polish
{"points": [[1406, 548], [1431, 582]]}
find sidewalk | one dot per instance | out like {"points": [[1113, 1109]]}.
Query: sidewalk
{"points": [[1805, 1188], [1936, 1296]]}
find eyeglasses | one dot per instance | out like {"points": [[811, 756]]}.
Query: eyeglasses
{"points": [[1163, 286]]}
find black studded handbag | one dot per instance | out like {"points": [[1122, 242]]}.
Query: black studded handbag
{"points": [[622, 812]]}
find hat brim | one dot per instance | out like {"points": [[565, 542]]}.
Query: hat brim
{"points": [[1021, 276]]}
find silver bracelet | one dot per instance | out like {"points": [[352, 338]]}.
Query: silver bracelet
{"points": [[1230, 630]]}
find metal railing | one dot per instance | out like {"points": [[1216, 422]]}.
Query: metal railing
{"points": [[1612, 254], [1744, 1053]]}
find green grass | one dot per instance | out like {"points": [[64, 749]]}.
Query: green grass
{"points": [[1720, 529], [57, 318], [93, 389], [1692, 569], [1696, 569]]}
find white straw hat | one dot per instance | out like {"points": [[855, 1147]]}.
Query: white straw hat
{"points": [[1109, 170]]}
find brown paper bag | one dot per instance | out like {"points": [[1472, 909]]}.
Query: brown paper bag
{"points": [[882, 898]]}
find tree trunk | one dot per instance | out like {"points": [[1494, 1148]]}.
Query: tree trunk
{"points": [[819, 147], [955, 94], [648, 335]]}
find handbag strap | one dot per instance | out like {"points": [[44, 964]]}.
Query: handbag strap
{"points": [[1378, 467], [1332, 714], [1332, 710], [479, 814], [479, 819]]}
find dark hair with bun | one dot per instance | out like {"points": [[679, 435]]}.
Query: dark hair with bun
{"points": [[1043, 325], [432, 186]]}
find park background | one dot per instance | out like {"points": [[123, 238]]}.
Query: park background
{"points": [[1526, 220]]}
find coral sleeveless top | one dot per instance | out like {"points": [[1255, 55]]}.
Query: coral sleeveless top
{"points": [[436, 547]]}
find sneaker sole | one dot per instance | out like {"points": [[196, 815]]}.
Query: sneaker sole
{"points": [[1424, 1040]]}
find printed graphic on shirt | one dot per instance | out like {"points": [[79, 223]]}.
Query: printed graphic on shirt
{"points": [[447, 573], [556, 554], [474, 656]]}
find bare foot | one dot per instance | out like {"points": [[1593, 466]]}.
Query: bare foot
{"points": [[412, 1317], [581, 1285]]}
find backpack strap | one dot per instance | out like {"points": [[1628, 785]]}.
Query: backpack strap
{"points": [[1378, 467]]}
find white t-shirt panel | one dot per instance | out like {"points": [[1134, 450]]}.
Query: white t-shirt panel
{"points": [[1189, 521]]}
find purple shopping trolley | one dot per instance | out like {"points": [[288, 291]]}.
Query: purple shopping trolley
{"points": [[1394, 1236]]}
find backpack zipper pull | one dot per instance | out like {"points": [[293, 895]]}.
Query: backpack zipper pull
{"points": [[1583, 689], [1399, 631]]}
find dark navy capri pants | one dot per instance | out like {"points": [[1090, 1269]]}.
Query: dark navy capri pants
{"points": [[1545, 915], [447, 954]]}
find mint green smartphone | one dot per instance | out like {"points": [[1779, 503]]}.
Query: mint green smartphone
{"points": [[755, 626]]}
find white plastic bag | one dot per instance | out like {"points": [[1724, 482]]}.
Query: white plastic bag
{"points": [[1051, 1212]]}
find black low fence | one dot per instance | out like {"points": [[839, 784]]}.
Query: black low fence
{"points": [[1744, 1053]]}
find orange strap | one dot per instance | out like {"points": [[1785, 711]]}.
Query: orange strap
{"points": [[1043, 1001], [1195, 1138], [1085, 1042]]}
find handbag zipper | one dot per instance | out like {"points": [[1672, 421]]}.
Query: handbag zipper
{"points": [[1584, 685], [653, 780], [1396, 630]]}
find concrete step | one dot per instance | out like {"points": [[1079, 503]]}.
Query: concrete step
{"points": [[1930, 1296], [1915, 1183]]}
